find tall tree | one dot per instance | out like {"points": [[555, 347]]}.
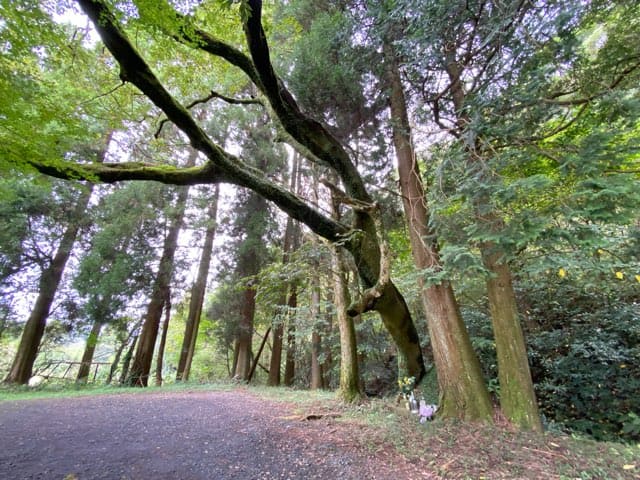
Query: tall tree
{"points": [[141, 366], [360, 238], [25, 357], [197, 292], [115, 273], [289, 245]]}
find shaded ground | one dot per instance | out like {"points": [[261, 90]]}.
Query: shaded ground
{"points": [[182, 435]]}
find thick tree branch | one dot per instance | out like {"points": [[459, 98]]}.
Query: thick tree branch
{"points": [[308, 132], [221, 167], [117, 172]]}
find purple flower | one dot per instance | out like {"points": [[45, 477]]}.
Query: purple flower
{"points": [[426, 412]]}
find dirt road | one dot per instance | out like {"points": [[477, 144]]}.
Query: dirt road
{"points": [[180, 435]]}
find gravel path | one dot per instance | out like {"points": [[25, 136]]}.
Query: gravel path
{"points": [[184, 435]]}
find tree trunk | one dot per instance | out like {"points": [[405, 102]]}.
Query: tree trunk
{"points": [[197, 294], [116, 360], [463, 392], [89, 350], [256, 360], [126, 361], [289, 244], [22, 366], [245, 334], [141, 366], [276, 348], [290, 358], [517, 396], [163, 337], [349, 370], [316, 340]]}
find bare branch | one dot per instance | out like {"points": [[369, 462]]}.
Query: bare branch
{"points": [[212, 94]]}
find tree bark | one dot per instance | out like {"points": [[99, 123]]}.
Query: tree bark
{"points": [[126, 361], [120, 349], [22, 366], [289, 245], [350, 383], [290, 358], [463, 392], [163, 337], [517, 396], [141, 366], [316, 367], [89, 350], [245, 333], [197, 294]]}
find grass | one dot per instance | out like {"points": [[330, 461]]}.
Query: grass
{"points": [[71, 389], [451, 450]]}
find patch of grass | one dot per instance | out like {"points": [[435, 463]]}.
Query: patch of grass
{"points": [[64, 390]]}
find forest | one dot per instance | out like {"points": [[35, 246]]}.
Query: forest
{"points": [[420, 197]]}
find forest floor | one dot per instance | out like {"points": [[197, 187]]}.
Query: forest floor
{"points": [[241, 433]]}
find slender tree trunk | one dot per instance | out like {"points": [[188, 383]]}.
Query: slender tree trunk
{"points": [[22, 366], [256, 360], [116, 360], [275, 361], [290, 358], [290, 243], [349, 368], [89, 350], [236, 351], [245, 333], [126, 362], [517, 396], [141, 365], [350, 389], [316, 341], [163, 337], [316, 367], [197, 293], [462, 388]]}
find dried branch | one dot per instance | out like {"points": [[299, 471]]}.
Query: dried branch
{"points": [[212, 95]]}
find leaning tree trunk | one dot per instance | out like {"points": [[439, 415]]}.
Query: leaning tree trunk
{"points": [[197, 293], [463, 392], [360, 238], [89, 350], [141, 366], [22, 366], [119, 350], [126, 361]]}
